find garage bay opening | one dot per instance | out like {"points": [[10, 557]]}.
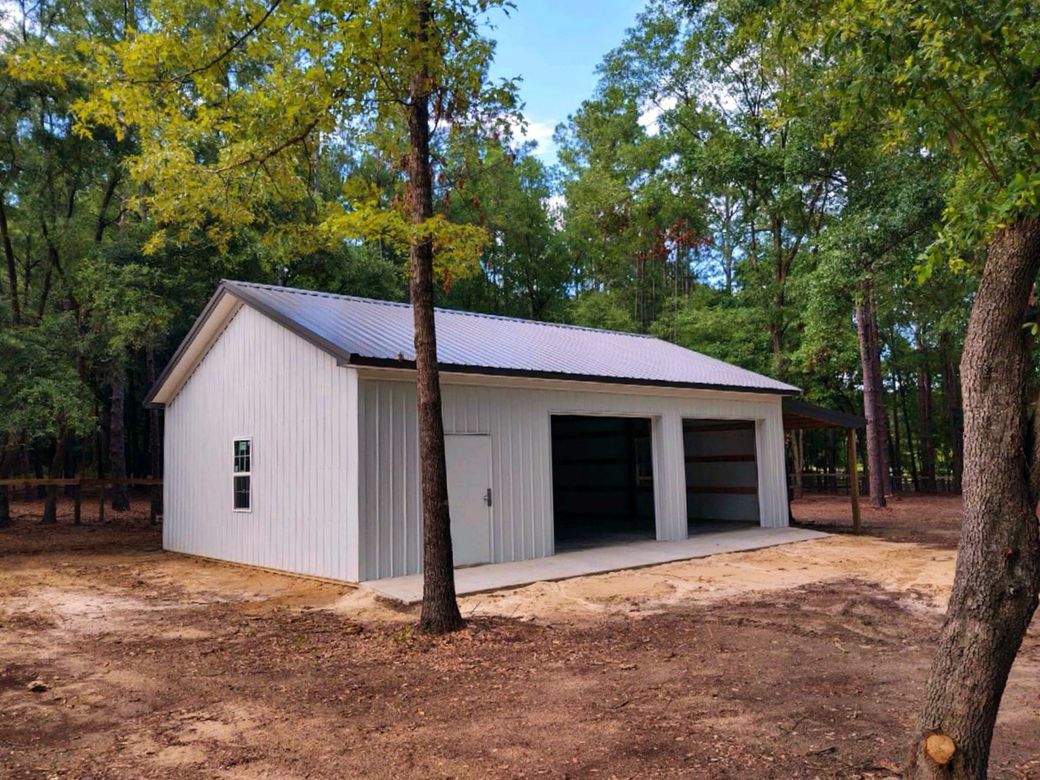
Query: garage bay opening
{"points": [[603, 481], [721, 474]]}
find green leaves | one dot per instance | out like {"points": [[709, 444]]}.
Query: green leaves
{"points": [[958, 78]]}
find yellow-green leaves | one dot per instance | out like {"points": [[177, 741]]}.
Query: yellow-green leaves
{"points": [[231, 106], [457, 247]]}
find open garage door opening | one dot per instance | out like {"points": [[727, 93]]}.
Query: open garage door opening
{"points": [[603, 481], [721, 474]]}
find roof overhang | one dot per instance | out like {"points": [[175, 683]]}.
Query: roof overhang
{"points": [[224, 304], [800, 415], [209, 324]]}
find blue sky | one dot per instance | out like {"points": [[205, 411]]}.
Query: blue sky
{"points": [[554, 47]]}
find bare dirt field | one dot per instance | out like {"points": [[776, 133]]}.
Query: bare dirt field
{"points": [[800, 661]]}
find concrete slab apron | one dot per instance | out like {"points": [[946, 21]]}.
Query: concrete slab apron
{"points": [[598, 560]]}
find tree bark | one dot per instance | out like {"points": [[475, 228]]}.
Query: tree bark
{"points": [[12, 271], [873, 397], [998, 561], [924, 413], [908, 427], [155, 438], [440, 610], [56, 471], [953, 413], [117, 446], [6, 459], [797, 458], [895, 453]]}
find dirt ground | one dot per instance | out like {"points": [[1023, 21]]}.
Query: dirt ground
{"points": [[927, 520], [800, 661]]}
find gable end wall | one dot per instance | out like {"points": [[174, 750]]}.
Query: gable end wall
{"points": [[261, 381]]}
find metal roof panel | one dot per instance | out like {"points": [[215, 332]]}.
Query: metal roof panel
{"points": [[362, 330]]}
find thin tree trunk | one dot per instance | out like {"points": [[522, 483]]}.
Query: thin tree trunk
{"points": [[924, 413], [440, 610], [155, 438], [998, 562], [7, 456], [953, 412], [797, 458], [56, 471], [873, 396], [895, 453], [12, 271], [117, 446], [914, 477]]}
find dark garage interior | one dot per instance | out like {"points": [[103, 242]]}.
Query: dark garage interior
{"points": [[603, 488], [721, 474]]}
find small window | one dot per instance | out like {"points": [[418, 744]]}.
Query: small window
{"points": [[242, 479]]}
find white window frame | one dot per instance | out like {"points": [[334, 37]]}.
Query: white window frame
{"points": [[235, 473]]}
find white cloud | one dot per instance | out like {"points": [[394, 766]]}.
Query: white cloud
{"points": [[651, 115], [11, 17], [554, 206], [541, 133]]}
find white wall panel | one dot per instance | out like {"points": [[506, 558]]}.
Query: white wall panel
{"points": [[517, 419], [261, 381]]}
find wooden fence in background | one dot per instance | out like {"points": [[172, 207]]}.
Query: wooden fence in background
{"points": [[100, 485], [831, 482]]}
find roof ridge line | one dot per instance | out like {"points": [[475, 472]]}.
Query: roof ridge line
{"points": [[462, 312]]}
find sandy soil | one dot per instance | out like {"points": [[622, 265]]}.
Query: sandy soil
{"points": [[921, 576], [802, 661]]}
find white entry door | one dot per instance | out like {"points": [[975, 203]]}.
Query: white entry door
{"points": [[469, 497]]}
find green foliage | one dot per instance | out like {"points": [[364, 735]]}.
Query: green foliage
{"points": [[43, 396], [954, 77], [232, 105], [601, 310]]}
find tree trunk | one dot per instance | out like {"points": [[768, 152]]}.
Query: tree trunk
{"points": [[6, 459], [924, 413], [797, 462], [953, 413], [998, 561], [873, 396], [895, 456], [12, 271], [915, 480], [56, 471], [440, 610], [117, 446], [155, 439]]}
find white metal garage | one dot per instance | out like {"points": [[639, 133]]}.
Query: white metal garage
{"points": [[291, 438]]}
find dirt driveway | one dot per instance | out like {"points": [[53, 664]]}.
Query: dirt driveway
{"points": [[803, 661]]}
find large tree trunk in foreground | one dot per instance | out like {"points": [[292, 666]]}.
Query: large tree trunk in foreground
{"points": [[873, 397], [117, 446], [998, 561], [440, 609]]}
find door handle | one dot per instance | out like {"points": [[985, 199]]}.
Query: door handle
{"points": [[487, 497]]}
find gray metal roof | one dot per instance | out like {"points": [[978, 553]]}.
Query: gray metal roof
{"points": [[362, 331]]}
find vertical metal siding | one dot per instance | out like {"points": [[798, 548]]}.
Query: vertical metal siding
{"points": [[261, 381], [518, 421]]}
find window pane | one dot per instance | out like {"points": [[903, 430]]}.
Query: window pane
{"points": [[242, 493], [242, 455]]}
